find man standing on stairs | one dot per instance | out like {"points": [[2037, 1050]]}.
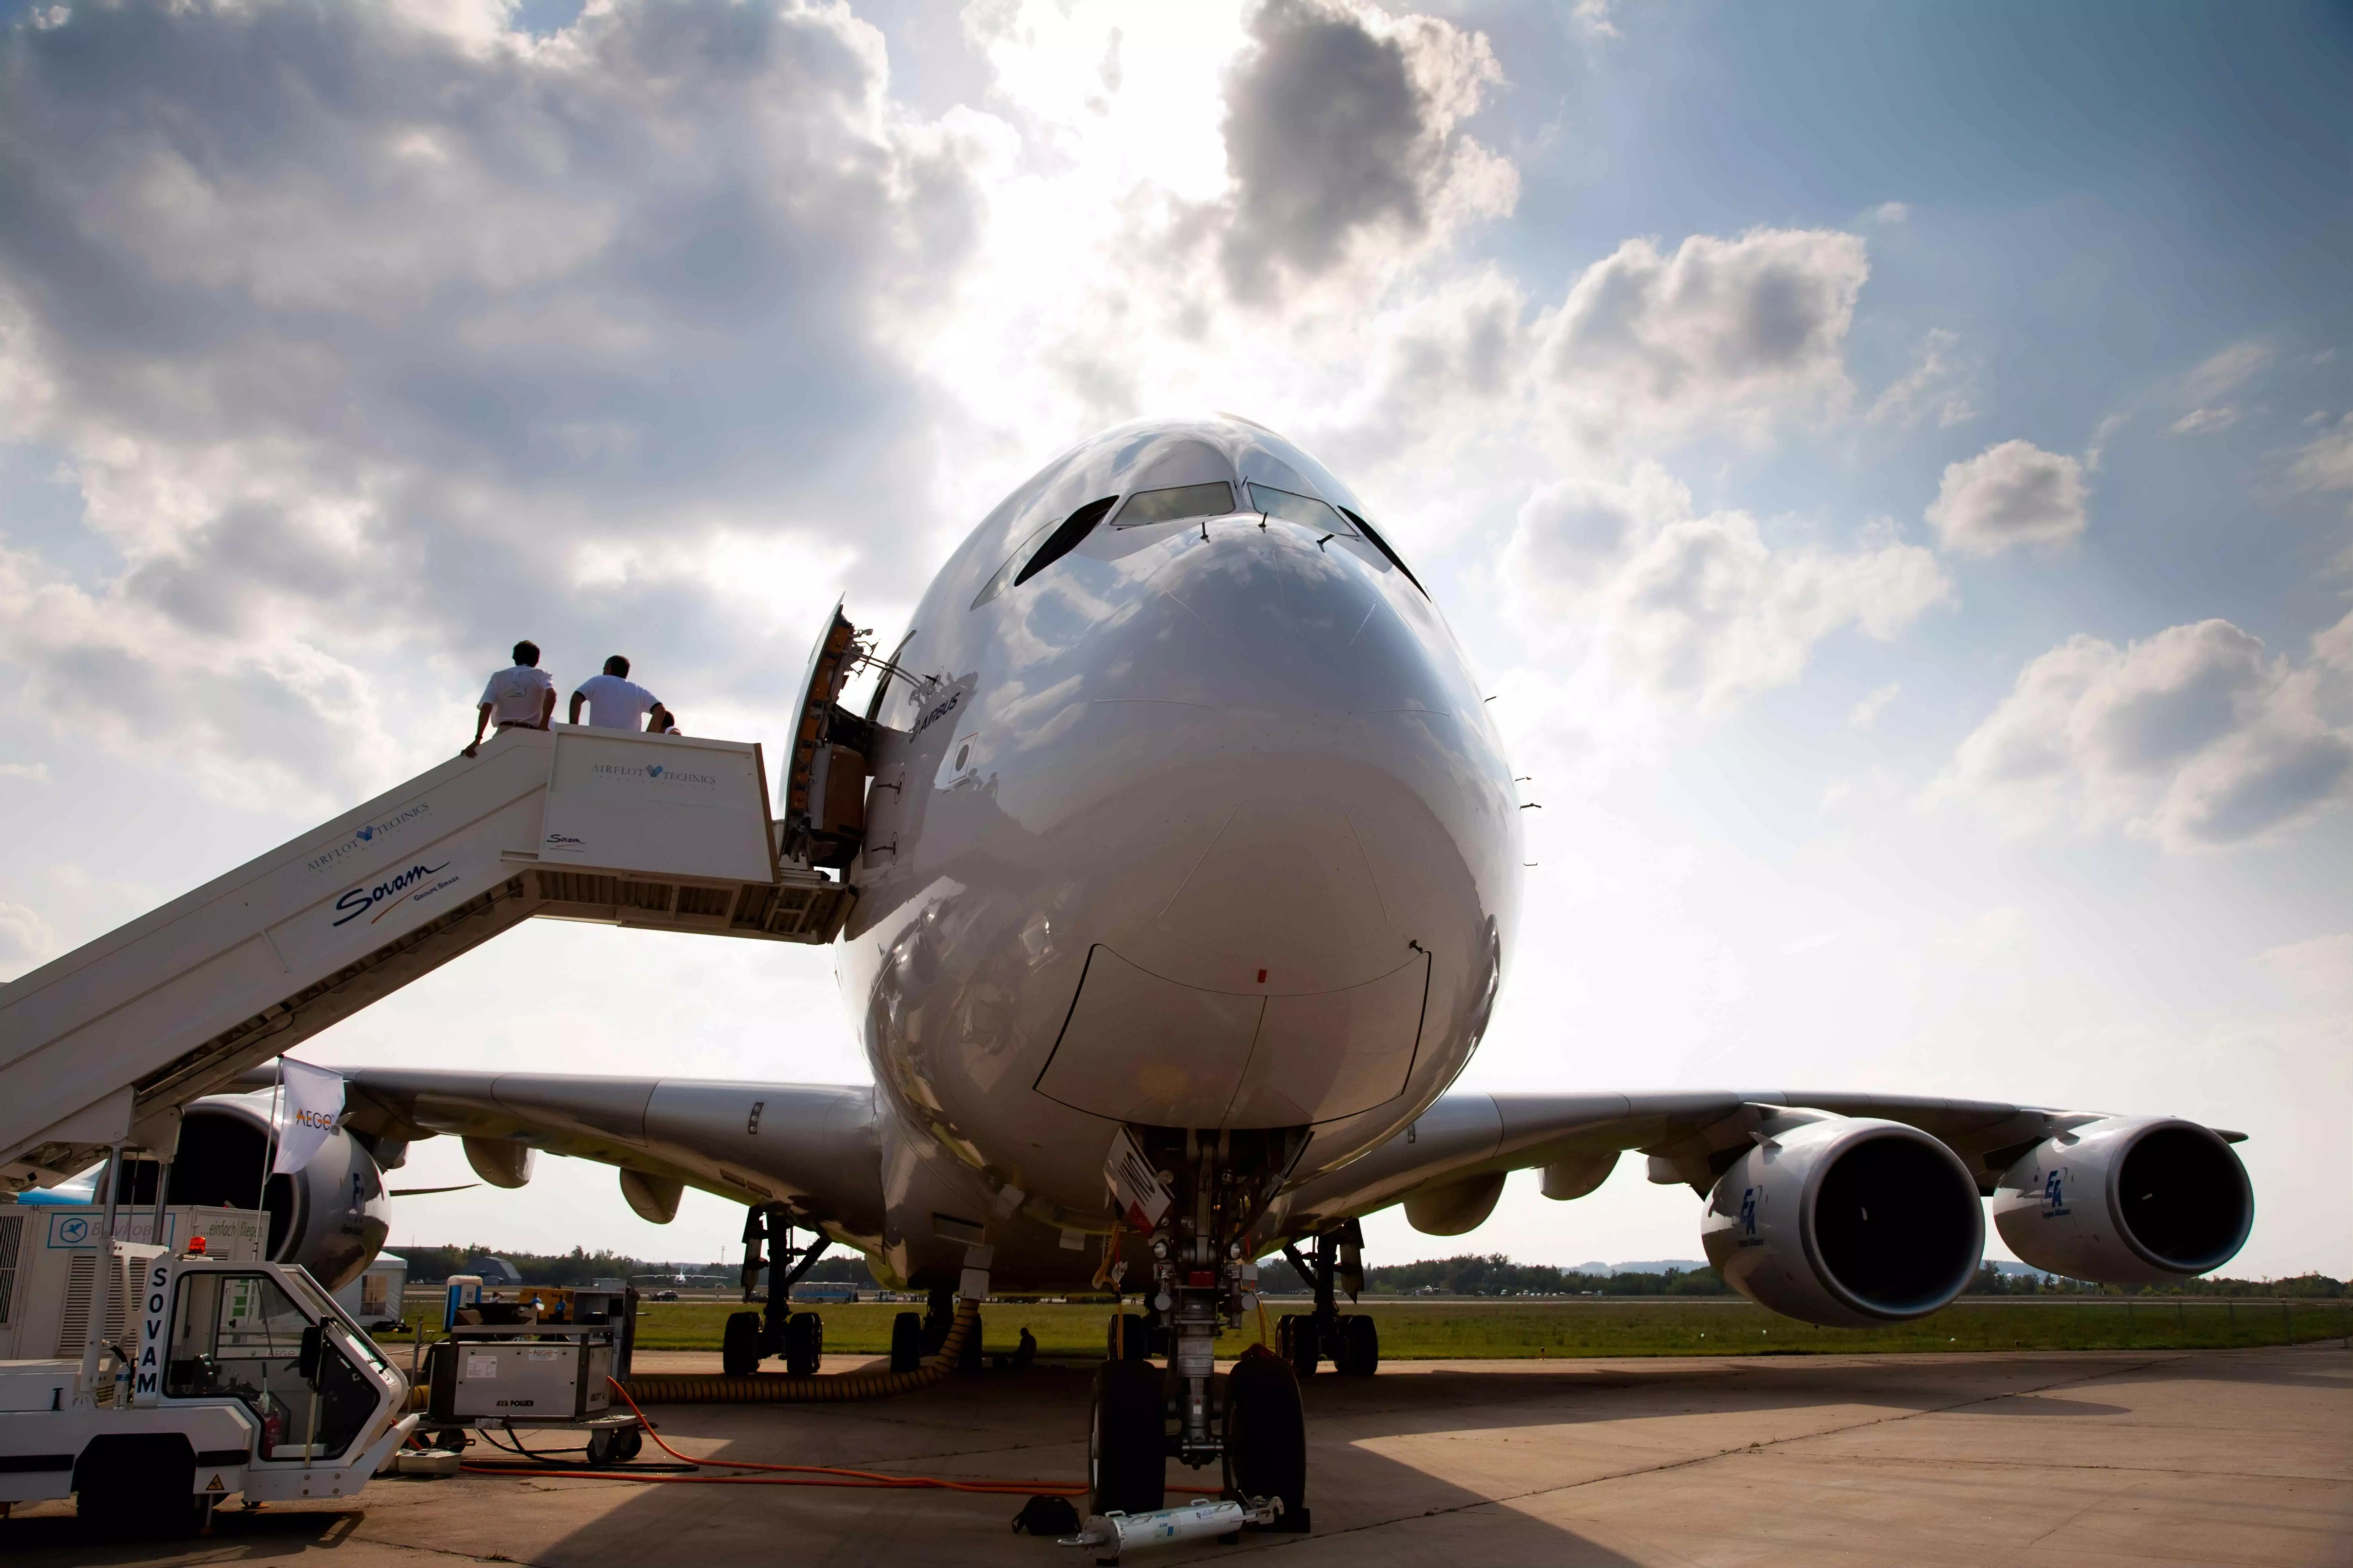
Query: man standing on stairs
{"points": [[617, 702], [519, 698]]}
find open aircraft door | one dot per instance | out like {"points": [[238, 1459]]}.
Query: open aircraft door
{"points": [[824, 783]]}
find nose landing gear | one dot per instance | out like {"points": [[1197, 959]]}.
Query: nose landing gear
{"points": [[1196, 1194]]}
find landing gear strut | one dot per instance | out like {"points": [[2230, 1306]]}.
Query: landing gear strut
{"points": [[775, 1329], [1350, 1342], [1195, 1195]]}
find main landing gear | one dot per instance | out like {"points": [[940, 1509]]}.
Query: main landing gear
{"points": [[776, 1329], [1199, 1193], [1350, 1342]]}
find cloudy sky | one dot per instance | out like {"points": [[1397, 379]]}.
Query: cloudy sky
{"points": [[1893, 464]]}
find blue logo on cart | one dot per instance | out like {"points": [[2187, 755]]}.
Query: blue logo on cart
{"points": [[71, 1230]]}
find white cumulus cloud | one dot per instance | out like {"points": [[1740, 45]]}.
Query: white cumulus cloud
{"points": [[2012, 494], [1749, 331], [1696, 610], [2194, 737], [25, 939], [2325, 463], [2206, 421]]}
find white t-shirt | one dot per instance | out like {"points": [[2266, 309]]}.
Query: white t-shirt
{"points": [[517, 693], [616, 703]]}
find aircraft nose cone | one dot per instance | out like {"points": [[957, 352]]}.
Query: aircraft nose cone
{"points": [[1294, 732], [1265, 617]]}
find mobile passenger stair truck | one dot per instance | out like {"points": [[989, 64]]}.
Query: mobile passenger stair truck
{"points": [[152, 1382], [136, 1370]]}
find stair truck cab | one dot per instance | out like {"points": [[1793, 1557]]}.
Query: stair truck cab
{"points": [[201, 1378]]}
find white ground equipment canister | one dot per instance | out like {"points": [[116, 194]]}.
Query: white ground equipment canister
{"points": [[1112, 1533]]}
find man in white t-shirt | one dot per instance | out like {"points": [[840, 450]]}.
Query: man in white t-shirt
{"points": [[522, 698], [617, 702]]}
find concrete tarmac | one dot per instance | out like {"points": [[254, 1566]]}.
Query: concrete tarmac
{"points": [[2239, 1456]]}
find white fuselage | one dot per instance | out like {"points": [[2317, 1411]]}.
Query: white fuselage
{"points": [[1203, 825]]}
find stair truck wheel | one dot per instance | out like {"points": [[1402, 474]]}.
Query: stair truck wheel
{"points": [[1126, 1461], [1360, 1345], [1266, 1436], [140, 1486], [739, 1346], [804, 1343], [907, 1342]]}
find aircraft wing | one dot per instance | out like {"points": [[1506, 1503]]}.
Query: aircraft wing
{"points": [[1449, 1165], [813, 1146]]}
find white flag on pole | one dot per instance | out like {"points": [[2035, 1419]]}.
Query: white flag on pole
{"points": [[314, 1103]]}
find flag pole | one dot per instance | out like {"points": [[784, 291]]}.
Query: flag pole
{"points": [[270, 1155]]}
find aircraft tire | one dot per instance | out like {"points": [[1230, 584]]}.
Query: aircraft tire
{"points": [[739, 1346], [907, 1342], [804, 1343], [1266, 1436], [1127, 1337], [1360, 1346], [1126, 1460], [1299, 1344]]}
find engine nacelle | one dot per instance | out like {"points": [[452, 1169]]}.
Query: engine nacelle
{"points": [[331, 1216], [1845, 1221], [2127, 1201]]}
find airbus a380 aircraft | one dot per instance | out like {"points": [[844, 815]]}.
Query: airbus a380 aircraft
{"points": [[1186, 884]]}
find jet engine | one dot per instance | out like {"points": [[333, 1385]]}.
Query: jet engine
{"points": [[331, 1216], [1845, 1221], [2127, 1201]]}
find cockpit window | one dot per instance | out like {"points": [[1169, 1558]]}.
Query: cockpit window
{"points": [[1212, 499], [1383, 546], [1065, 538], [1305, 510]]}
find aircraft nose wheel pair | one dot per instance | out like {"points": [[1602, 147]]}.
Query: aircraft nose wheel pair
{"points": [[1262, 1432]]}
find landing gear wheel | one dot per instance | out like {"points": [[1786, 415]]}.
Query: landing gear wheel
{"points": [[907, 1342], [1126, 1338], [804, 1343], [1266, 1436], [739, 1346], [1298, 1344], [1126, 1462], [1360, 1346], [973, 1361], [937, 1319]]}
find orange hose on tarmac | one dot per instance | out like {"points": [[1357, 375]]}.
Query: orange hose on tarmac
{"points": [[934, 1368], [781, 1388]]}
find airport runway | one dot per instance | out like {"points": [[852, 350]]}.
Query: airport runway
{"points": [[2207, 1457]]}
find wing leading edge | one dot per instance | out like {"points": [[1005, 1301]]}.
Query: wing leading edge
{"points": [[1449, 1165], [812, 1146]]}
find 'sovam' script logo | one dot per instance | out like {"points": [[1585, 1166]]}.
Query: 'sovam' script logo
{"points": [[399, 888]]}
